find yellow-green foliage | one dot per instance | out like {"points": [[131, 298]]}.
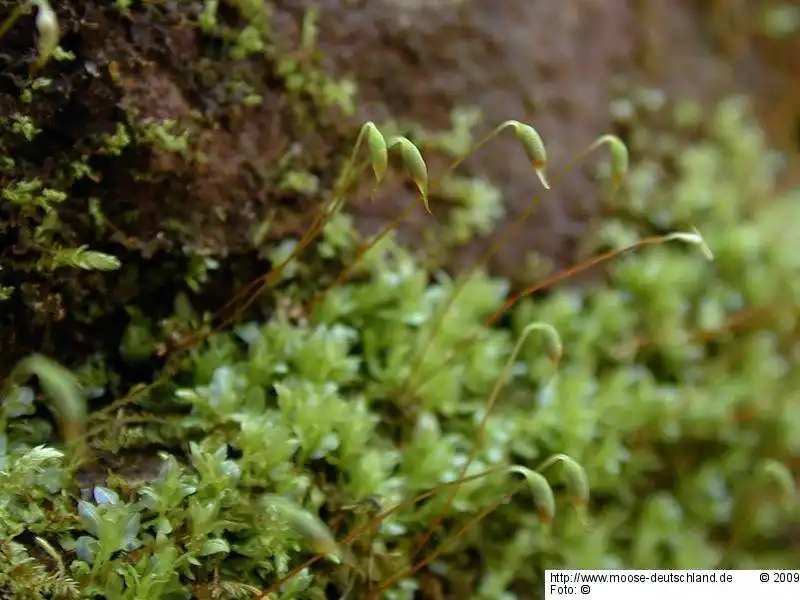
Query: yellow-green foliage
{"points": [[684, 438]]}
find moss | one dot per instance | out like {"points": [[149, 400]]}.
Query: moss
{"points": [[260, 446], [674, 395]]}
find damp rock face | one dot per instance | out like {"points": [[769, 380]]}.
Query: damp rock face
{"points": [[174, 132]]}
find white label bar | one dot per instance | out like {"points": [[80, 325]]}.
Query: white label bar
{"points": [[669, 585]]}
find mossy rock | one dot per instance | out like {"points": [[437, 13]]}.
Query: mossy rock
{"points": [[161, 144], [186, 127]]}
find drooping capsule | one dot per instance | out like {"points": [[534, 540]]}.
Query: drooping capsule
{"points": [[540, 490], [378, 152], [619, 157], [414, 164], [534, 147]]}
